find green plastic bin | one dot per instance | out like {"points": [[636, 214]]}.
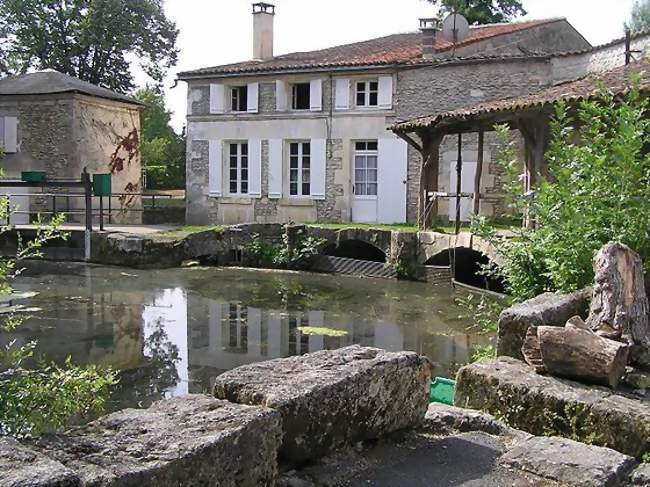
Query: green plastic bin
{"points": [[102, 185], [442, 391], [33, 176]]}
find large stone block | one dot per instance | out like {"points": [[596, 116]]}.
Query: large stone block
{"points": [[569, 462], [23, 467], [189, 441], [548, 309], [331, 398], [542, 405]]}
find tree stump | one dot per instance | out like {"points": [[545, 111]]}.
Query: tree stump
{"points": [[578, 353], [619, 305]]}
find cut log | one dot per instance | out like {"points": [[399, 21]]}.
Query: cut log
{"points": [[531, 352], [577, 353], [619, 305]]}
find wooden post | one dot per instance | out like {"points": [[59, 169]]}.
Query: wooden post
{"points": [[479, 170], [428, 217], [85, 179], [459, 172]]}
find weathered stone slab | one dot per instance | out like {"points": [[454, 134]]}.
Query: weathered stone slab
{"points": [[331, 398], [21, 466], [548, 309], [541, 405], [189, 441], [443, 419], [569, 462]]}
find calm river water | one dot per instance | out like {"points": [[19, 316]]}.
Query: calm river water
{"points": [[171, 331]]}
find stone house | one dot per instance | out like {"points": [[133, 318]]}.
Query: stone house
{"points": [[53, 122], [304, 137]]}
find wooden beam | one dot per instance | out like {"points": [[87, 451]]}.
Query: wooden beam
{"points": [[410, 141], [479, 171]]}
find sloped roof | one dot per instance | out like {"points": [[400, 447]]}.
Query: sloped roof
{"points": [[616, 81], [392, 49], [52, 82]]}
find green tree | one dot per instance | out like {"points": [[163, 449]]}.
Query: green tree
{"points": [[597, 191], [481, 11], [89, 39], [640, 19], [162, 149]]}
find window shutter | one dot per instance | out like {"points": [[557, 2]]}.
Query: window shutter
{"points": [[253, 97], [255, 168], [386, 92], [391, 191], [11, 134], [216, 98], [281, 96], [342, 94], [316, 95], [275, 168], [215, 166], [318, 168]]}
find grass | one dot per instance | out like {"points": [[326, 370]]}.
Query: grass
{"points": [[184, 231], [402, 227]]}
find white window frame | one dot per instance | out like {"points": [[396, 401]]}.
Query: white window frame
{"points": [[294, 96], [301, 159], [235, 90], [366, 93], [365, 154], [238, 168]]}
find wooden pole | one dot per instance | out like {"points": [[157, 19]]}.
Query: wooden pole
{"points": [[479, 170], [459, 171]]}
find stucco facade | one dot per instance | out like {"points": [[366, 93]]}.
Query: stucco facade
{"points": [[64, 133], [493, 67]]}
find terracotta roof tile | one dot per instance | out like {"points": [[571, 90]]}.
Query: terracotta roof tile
{"points": [[616, 81], [392, 49]]}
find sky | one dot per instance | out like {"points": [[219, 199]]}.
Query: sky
{"points": [[214, 32]]}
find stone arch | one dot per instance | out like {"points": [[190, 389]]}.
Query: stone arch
{"points": [[468, 264], [355, 249]]}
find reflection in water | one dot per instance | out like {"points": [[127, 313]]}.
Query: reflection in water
{"points": [[171, 331]]}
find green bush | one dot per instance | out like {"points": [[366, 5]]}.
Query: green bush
{"points": [[597, 190]]}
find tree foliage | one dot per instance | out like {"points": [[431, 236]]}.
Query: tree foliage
{"points": [[640, 19], [93, 40], [162, 149], [481, 11], [597, 191]]}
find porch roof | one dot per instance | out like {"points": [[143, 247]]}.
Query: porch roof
{"points": [[615, 81]]}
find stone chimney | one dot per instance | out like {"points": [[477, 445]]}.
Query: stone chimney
{"points": [[263, 14], [429, 29]]}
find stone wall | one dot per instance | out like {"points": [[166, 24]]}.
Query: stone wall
{"points": [[106, 136], [558, 36], [570, 67]]}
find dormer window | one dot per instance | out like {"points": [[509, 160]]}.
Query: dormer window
{"points": [[300, 96], [368, 93], [239, 98]]}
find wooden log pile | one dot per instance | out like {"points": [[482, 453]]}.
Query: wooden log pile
{"points": [[597, 351]]}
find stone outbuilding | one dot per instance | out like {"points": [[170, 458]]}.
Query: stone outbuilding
{"points": [[60, 124]]}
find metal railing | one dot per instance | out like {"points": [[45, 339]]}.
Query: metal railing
{"points": [[58, 196]]}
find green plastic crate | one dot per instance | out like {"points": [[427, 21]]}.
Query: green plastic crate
{"points": [[102, 185], [442, 390], [33, 176]]}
